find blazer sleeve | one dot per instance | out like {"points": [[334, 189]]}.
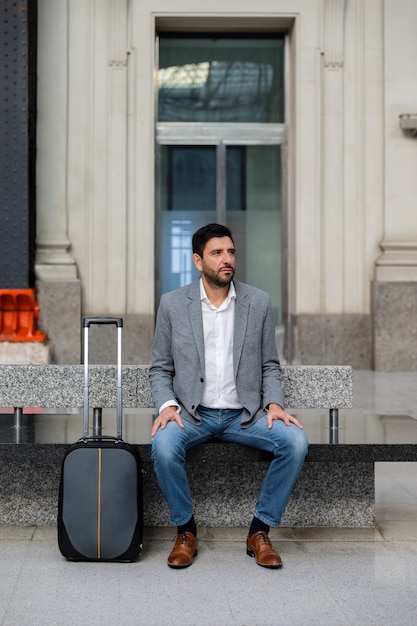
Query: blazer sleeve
{"points": [[271, 368], [161, 371]]}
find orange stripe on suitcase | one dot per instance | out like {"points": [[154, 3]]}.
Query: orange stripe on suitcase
{"points": [[99, 504]]}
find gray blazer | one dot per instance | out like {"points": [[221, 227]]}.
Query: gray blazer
{"points": [[177, 369]]}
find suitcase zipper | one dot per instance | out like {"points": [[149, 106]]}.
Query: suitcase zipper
{"points": [[99, 505]]}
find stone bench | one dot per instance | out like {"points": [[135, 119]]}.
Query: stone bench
{"points": [[335, 487]]}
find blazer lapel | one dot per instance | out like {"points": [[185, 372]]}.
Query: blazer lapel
{"points": [[196, 320], [241, 322]]}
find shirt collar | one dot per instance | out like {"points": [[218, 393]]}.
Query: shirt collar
{"points": [[231, 295]]}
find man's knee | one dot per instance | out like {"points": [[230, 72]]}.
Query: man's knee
{"points": [[295, 441], [164, 450], [301, 443]]}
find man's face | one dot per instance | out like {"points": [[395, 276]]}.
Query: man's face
{"points": [[217, 264]]}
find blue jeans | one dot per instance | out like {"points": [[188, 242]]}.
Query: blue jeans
{"points": [[288, 445]]}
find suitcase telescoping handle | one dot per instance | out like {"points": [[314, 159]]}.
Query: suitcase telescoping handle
{"points": [[87, 322]]}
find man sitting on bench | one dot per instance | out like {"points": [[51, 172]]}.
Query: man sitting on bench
{"points": [[215, 374]]}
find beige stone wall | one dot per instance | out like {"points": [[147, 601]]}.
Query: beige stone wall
{"points": [[351, 183]]}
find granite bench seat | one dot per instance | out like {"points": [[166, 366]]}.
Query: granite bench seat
{"points": [[335, 488]]}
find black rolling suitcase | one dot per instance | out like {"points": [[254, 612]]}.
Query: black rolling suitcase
{"points": [[100, 508]]}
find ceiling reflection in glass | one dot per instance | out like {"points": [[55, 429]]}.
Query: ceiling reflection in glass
{"points": [[222, 79]]}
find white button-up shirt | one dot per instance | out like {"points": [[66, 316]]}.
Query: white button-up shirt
{"points": [[218, 324]]}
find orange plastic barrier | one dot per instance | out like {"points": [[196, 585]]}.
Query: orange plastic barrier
{"points": [[18, 314]]}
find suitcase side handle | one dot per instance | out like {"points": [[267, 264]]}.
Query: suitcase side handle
{"points": [[87, 321]]}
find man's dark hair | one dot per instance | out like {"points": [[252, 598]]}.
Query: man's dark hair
{"points": [[204, 234]]}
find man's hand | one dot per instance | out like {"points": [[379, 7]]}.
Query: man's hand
{"points": [[169, 414], [276, 412]]}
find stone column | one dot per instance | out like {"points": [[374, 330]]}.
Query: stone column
{"points": [[53, 259], [55, 269], [117, 155], [395, 284], [333, 146]]}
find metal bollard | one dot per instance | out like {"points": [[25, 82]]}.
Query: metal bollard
{"points": [[97, 422], [334, 425]]}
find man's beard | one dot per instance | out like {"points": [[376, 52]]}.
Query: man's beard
{"points": [[216, 280]]}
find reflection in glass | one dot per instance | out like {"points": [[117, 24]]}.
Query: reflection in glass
{"points": [[188, 201], [253, 213], [220, 79]]}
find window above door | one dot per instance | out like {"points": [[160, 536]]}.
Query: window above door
{"points": [[206, 78]]}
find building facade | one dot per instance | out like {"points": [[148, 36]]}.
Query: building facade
{"points": [[323, 194]]}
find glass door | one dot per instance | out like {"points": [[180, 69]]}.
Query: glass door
{"points": [[219, 134], [239, 186]]}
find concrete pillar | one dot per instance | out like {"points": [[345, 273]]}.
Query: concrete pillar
{"points": [[53, 260], [395, 285], [58, 286]]}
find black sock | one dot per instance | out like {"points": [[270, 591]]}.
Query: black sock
{"points": [[257, 525], [189, 527]]}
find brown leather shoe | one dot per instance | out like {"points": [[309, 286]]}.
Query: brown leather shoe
{"points": [[184, 551], [259, 545]]}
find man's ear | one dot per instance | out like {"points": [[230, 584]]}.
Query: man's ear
{"points": [[197, 261]]}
